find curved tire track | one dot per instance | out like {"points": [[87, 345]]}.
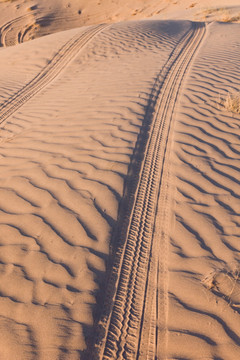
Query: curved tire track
{"points": [[128, 326], [66, 53], [14, 31]]}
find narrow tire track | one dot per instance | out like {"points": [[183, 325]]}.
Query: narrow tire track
{"points": [[127, 330], [66, 53]]}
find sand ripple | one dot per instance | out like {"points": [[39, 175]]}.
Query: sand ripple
{"points": [[64, 157], [202, 320]]}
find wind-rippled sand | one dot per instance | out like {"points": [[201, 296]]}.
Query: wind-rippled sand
{"points": [[205, 239], [64, 157], [77, 109]]}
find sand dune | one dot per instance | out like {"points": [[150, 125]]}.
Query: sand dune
{"points": [[63, 164], [119, 186], [23, 20]]}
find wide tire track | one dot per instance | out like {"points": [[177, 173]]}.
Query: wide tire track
{"points": [[128, 329], [156, 300], [66, 53]]}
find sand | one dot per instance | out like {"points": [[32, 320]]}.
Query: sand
{"points": [[119, 185], [205, 237], [22, 20]]}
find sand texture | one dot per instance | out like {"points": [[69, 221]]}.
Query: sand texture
{"points": [[119, 181], [205, 239], [23, 20]]}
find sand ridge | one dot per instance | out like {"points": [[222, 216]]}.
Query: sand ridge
{"points": [[23, 20]]}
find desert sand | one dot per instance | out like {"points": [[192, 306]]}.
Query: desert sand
{"points": [[119, 180]]}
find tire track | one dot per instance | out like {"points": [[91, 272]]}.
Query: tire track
{"points": [[158, 267], [127, 330], [205, 242], [66, 53], [14, 31]]}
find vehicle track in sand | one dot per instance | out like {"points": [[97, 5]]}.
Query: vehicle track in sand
{"points": [[133, 323], [48, 73], [16, 30]]}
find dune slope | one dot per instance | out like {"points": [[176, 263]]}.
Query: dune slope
{"points": [[66, 144], [119, 183], [23, 20]]}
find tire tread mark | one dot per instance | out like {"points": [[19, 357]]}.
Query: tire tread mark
{"points": [[48, 73], [6, 38], [158, 269], [121, 335]]}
